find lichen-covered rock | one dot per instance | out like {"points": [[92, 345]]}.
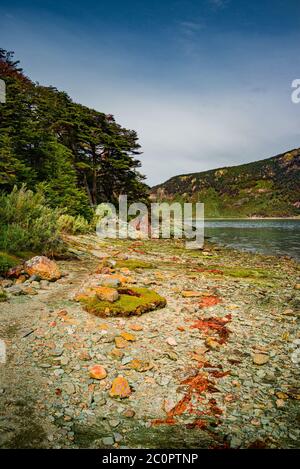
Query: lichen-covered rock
{"points": [[120, 388], [43, 267]]}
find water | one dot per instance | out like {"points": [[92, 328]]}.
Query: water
{"points": [[274, 237]]}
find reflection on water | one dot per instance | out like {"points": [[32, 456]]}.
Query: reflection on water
{"points": [[275, 237]]}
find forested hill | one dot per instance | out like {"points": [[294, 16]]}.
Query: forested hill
{"points": [[77, 156], [269, 187]]}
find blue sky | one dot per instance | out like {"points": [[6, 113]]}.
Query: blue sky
{"points": [[205, 83]]}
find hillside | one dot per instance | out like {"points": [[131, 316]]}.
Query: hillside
{"points": [[266, 188]]}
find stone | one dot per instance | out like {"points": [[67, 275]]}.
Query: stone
{"points": [[136, 327], [120, 388], [118, 437], [260, 358], [16, 290], [140, 365], [84, 355], [129, 413], [297, 286], [116, 353], [14, 272], [69, 388], [107, 294], [108, 441], [171, 341], [29, 291], [212, 343], [97, 372], [109, 281], [120, 342], [280, 403], [114, 423], [43, 267], [191, 294], [127, 336], [2, 352]]}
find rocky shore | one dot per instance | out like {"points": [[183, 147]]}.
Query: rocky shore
{"points": [[214, 363]]}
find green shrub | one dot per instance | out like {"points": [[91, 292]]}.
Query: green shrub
{"points": [[26, 223], [73, 225]]}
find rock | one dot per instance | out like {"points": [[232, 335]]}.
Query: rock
{"points": [[2, 352], [114, 423], [15, 272], [120, 388], [191, 294], [97, 372], [260, 358], [6, 283], [107, 294], [135, 327], [117, 353], [108, 441], [109, 281], [129, 413], [280, 403], [29, 291], [297, 286], [127, 336], [43, 268], [44, 284], [118, 437], [84, 355], [69, 388], [21, 279], [120, 342], [140, 365], [171, 341], [212, 343], [16, 290]]}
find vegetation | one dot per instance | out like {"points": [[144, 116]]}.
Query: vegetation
{"points": [[27, 223], [267, 188], [134, 302], [77, 156]]}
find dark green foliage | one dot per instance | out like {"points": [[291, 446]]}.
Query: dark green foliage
{"points": [[27, 223], [79, 157], [266, 188]]}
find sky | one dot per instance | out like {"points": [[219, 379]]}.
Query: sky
{"points": [[205, 83]]}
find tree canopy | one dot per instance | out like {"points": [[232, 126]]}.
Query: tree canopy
{"points": [[79, 157]]}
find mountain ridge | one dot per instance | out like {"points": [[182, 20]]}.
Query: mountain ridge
{"points": [[267, 187]]}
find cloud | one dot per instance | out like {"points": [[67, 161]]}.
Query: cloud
{"points": [[218, 4]]}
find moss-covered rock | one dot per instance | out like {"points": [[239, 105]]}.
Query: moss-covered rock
{"points": [[132, 301]]}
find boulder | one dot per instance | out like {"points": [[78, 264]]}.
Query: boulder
{"points": [[42, 267]]}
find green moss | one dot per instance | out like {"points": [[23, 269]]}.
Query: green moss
{"points": [[238, 272], [133, 264], [139, 301]]}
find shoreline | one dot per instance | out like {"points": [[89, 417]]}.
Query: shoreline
{"points": [[212, 368]]}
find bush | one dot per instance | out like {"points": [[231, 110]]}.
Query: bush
{"points": [[73, 225], [26, 223]]}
